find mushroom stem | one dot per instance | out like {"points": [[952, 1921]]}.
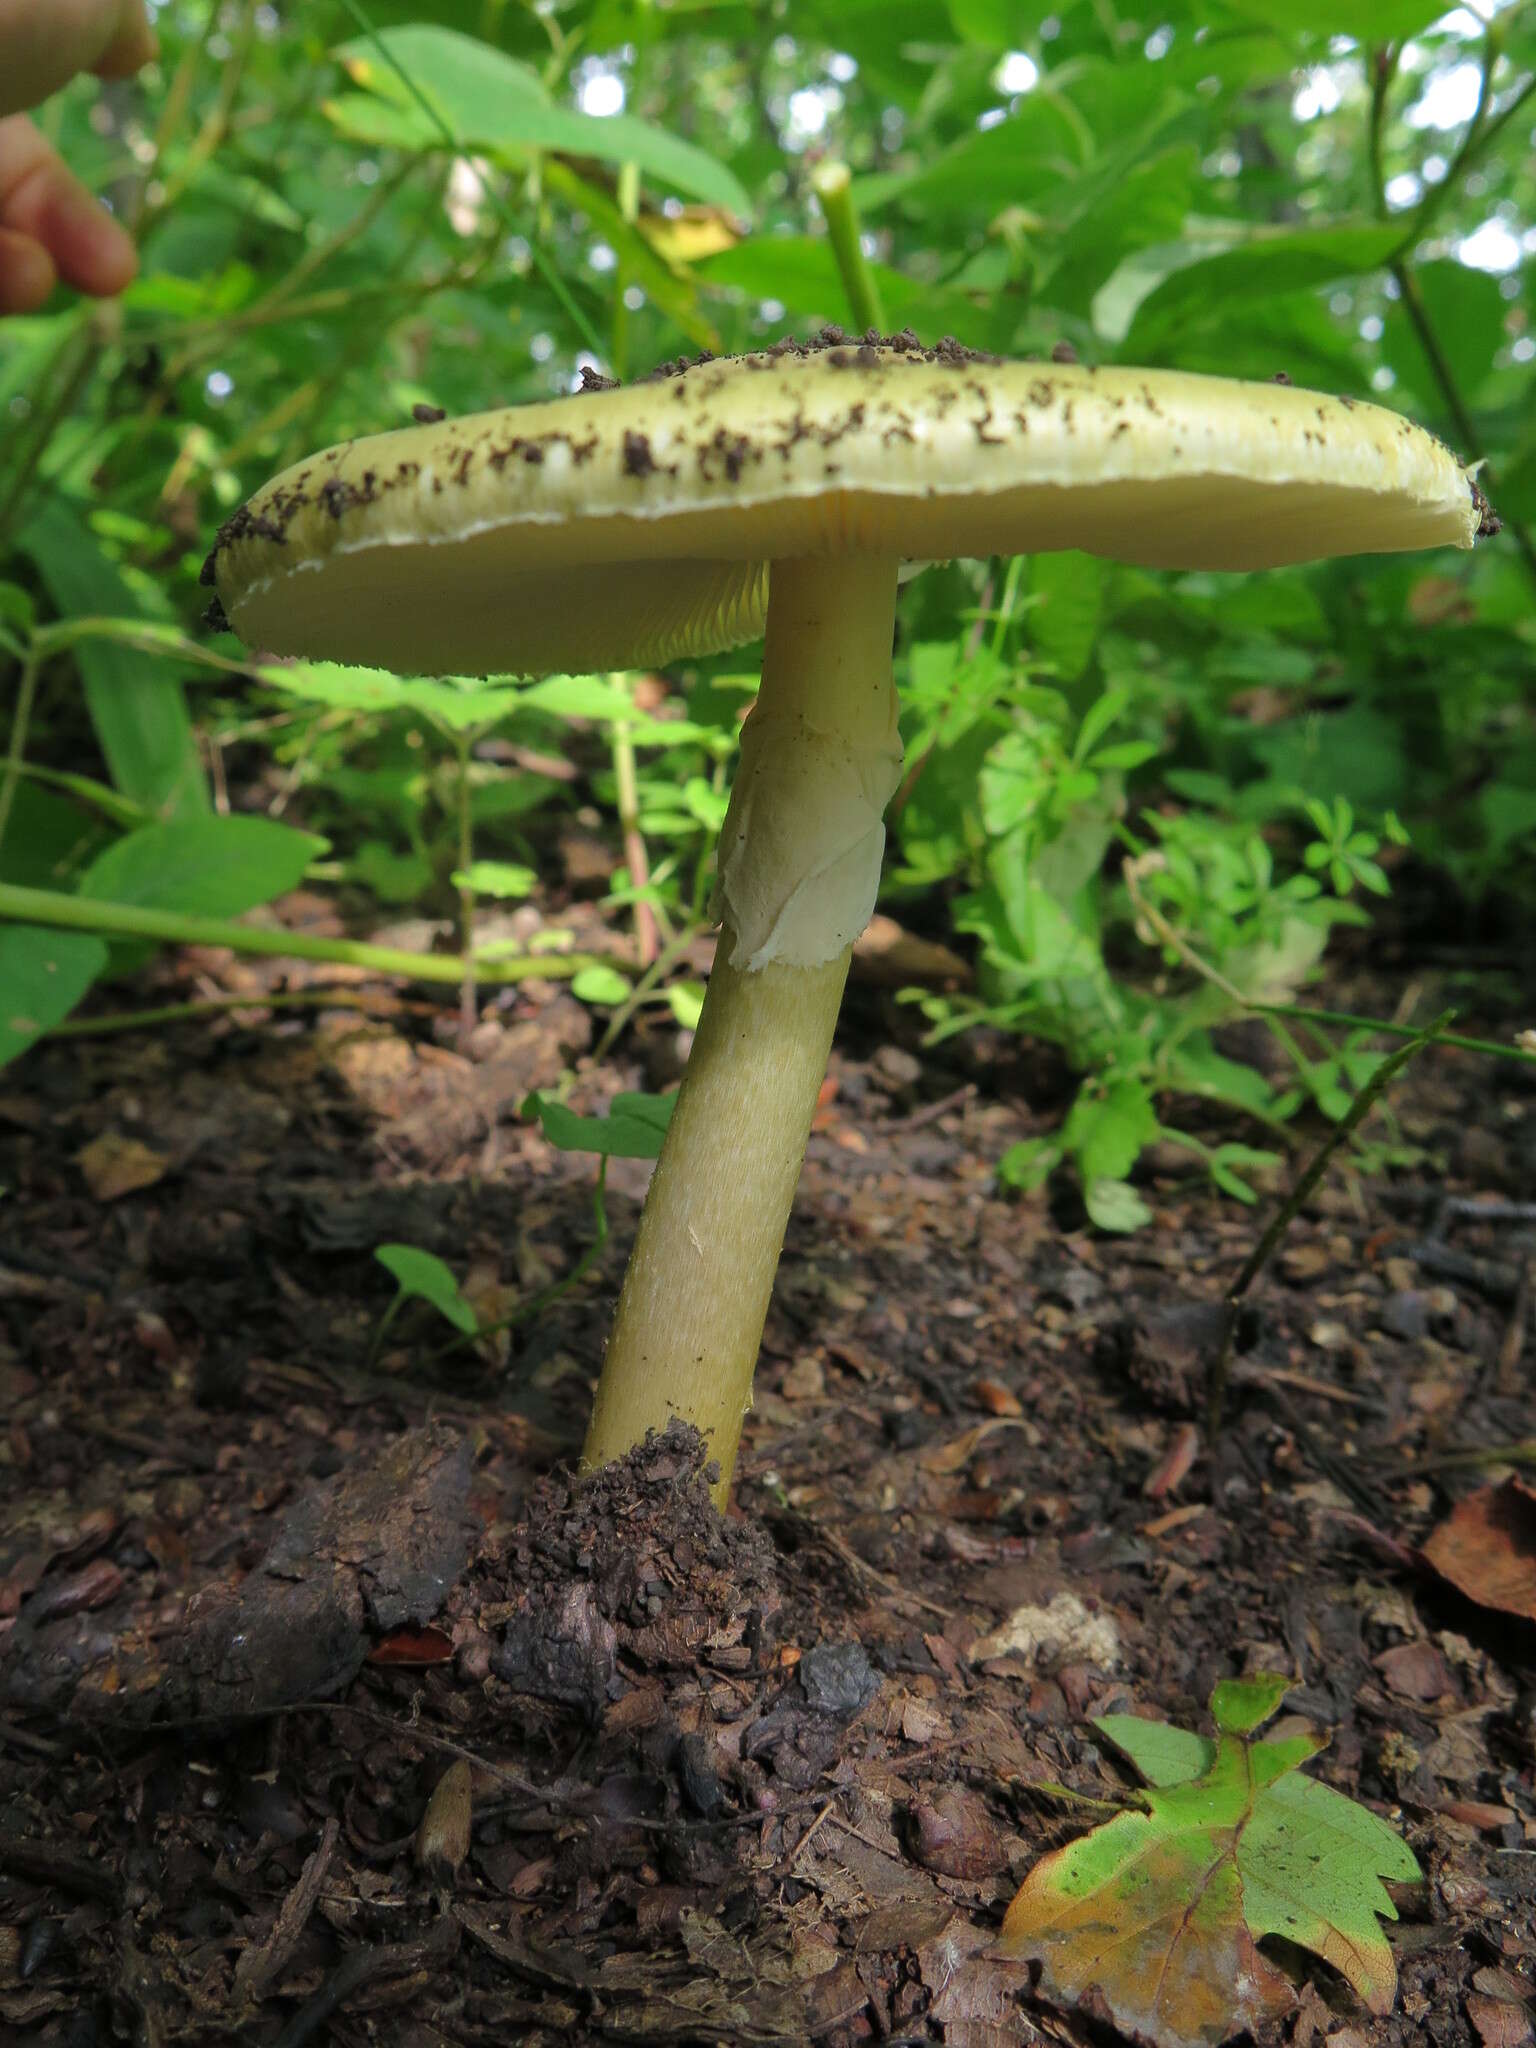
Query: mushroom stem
{"points": [[800, 860]]}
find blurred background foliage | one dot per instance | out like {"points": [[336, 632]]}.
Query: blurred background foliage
{"points": [[1138, 803]]}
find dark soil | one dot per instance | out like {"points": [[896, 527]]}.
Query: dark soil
{"points": [[331, 1711]]}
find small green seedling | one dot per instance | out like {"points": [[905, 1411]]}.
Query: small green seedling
{"points": [[632, 1128], [1161, 1909], [421, 1276]]}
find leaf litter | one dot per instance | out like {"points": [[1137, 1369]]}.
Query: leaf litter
{"points": [[672, 1835]]}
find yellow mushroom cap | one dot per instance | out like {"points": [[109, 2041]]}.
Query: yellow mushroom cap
{"points": [[624, 526]]}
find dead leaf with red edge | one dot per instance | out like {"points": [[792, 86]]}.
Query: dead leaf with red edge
{"points": [[412, 1646], [1486, 1548]]}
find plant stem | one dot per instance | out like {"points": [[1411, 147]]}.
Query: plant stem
{"points": [[21, 718], [1364, 1100], [467, 1011], [629, 208], [1474, 143], [382, 1327], [75, 361], [135, 921], [1455, 404], [832, 184], [219, 1006], [636, 858], [666, 959], [557, 1289]]}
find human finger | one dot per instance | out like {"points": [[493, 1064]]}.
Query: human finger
{"points": [[48, 41], [27, 275], [133, 46], [43, 202]]}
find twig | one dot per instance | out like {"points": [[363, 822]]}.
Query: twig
{"points": [[930, 1112], [1520, 1451], [387, 1959], [260, 1963], [1506, 1376], [1364, 1101]]}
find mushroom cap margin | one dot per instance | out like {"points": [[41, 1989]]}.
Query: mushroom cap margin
{"points": [[621, 527]]}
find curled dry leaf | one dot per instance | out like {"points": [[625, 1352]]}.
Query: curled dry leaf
{"points": [[1487, 1548], [113, 1166], [1172, 1469], [442, 1840]]}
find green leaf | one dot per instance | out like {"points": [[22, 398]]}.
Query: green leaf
{"points": [[1375, 21], [1064, 623], [122, 811], [503, 879], [671, 289], [1097, 720], [1123, 757], [460, 706], [997, 24], [47, 840], [16, 607], [1311, 1864], [1223, 1162], [1115, 1205], [1107, 1132], [1239, 1705], [1466, 311], [580, 697], [1160, 1910], [1163, 1754], [135, 699], [685, 999], [1270, 262], [632, 1129], [422, 1276], [1016, 162], [393, 877], [801, 272], [602, 985], [485, 99], [1029, 1164], [43, 974], [213, 867]]}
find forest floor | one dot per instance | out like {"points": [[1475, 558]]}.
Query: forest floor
{"points": [[330, 1712]]}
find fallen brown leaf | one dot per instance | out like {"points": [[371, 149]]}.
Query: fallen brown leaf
{"points": [[1486, 1548], [114, 1166]]}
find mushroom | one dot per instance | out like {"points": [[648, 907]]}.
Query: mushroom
{"points": [[783, 492]]}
